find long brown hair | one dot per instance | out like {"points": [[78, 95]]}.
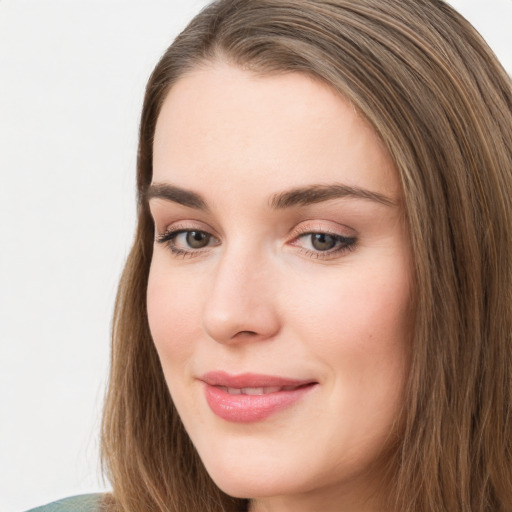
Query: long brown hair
{"points": [[442, 105]]}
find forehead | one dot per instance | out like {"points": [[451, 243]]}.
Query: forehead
{"points": [[222, 123]]}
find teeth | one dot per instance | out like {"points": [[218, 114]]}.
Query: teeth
{"points": [[233, 391], [256, 391], [253, 391]]}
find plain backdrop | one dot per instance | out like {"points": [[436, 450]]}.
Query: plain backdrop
{"points": [[72, 76]]}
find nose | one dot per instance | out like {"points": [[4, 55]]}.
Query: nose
{"points": [[241, 305]]}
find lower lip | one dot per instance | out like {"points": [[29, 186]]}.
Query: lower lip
{"points": [[251, 408]]}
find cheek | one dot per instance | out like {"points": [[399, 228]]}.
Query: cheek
{"points": [[365, 307], [359, 326], [173, 316]]}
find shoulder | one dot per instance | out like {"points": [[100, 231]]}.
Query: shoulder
{"points": [[83, 503]]}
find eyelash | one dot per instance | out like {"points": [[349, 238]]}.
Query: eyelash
{"points": [[167, 238], [342, 243]]}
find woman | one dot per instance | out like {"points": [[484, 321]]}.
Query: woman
{"points": [[316, 312]]}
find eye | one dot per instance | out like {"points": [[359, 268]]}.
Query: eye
{"points": [[324, 245], [186, 241], [323, 241], [196, 239]]}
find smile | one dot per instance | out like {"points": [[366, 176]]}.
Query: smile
{"points": [[249, 397], [257, 391]]}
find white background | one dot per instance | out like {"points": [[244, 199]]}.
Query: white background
{"points": [[72, 75]]}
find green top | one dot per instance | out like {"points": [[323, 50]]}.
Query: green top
{"points": [[84, 503]]}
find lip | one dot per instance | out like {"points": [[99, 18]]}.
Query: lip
{"points": [[246, 408]]}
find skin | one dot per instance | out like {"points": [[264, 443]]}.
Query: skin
{"points": [[261, 297]]}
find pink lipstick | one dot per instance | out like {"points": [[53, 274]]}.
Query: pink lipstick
{"points": [[249, 397]]}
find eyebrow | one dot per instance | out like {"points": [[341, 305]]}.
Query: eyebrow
{"points": [[312, 194], [301, 196], [176, 195]]}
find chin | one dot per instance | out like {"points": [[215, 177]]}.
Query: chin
{"points": [[254, 470], [255, 476], [256, 485]]}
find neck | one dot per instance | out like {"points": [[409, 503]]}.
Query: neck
{"points": [[337, 499]]}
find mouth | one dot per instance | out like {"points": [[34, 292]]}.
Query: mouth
{"points": [[258, 391], [250, 397]]}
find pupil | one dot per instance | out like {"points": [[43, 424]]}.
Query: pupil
{"points": [[197, 239], [323, 241]]}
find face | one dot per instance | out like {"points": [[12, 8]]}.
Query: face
{"points": [[279, 289]]}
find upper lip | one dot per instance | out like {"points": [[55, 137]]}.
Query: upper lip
{"points": [[250, 380]]}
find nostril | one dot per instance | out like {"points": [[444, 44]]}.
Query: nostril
{"points": [[239, 321]]}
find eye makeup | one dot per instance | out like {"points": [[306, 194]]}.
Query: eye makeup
{"points": [[318, 244]]}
